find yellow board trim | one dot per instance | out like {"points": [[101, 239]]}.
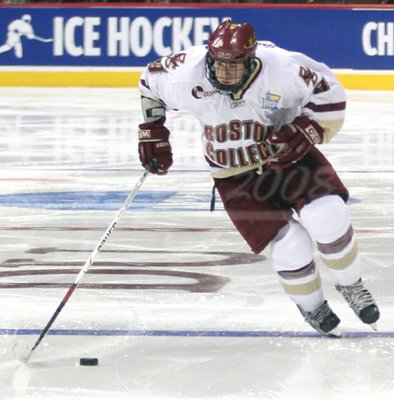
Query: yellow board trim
{"points": [[97, 78], [70, 78], [367, 81]]}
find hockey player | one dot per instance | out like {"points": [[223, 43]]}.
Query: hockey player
{"points": [[16, 30], [262, 111]]}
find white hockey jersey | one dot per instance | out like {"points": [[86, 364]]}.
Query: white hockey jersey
{"points": [[284, 85]]}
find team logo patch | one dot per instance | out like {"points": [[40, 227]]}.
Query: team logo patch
{"points": [[270, 101]]}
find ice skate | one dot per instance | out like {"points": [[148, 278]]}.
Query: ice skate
{"points": [[323, 319], [361, 302]]}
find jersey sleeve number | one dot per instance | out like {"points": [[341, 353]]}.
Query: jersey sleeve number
{"points": [[308, 76], [166, 63]]}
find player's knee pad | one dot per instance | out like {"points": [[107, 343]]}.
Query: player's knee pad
{"points": [[326, 219], [292, 248]]}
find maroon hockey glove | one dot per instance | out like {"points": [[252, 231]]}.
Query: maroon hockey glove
{"points": [[294, 140], [154, 148]]}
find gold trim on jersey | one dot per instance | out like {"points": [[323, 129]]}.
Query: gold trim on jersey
{"points": [[226, 173], [331, 128]]}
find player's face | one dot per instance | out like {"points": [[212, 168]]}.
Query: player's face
{"points": [[228, 73]]}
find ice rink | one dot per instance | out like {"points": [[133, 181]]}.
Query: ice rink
{"points": [[175, 305]]}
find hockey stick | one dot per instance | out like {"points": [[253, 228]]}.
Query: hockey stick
{"points": [[22, 352], [41, 39]]}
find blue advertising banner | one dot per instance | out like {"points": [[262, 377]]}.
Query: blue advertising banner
{"points": [[132, 36]]}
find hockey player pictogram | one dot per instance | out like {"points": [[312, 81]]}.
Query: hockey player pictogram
{"points": [[15, 31]]}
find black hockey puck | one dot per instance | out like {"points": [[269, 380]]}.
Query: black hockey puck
{"points": [[88, 361]]}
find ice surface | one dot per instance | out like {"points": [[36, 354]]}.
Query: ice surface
{"points": [[175, 306]]}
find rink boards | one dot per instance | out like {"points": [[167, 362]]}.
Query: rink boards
{"points": [[105, 45]]}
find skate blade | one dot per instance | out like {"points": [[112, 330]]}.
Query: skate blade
{"points": [[335, 333], [374, 326]]}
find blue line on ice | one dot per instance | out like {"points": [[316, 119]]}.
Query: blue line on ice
{"points": [[192, 333]]}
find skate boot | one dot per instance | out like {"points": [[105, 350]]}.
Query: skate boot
{"points": [[322, 319], [361, 302]]}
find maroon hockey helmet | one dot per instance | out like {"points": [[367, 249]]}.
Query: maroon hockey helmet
{"points": [[231, 42]]}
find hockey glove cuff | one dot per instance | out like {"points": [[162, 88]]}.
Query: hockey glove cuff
{"points": [[294, 141]]}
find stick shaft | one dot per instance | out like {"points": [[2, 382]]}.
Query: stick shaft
{"points": [[41, 39], [89, 261]]}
